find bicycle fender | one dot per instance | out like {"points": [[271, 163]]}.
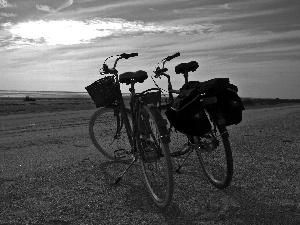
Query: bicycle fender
{"points": [[161, 123], [223, 131]]}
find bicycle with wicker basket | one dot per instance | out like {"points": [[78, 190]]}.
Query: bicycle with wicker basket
{"points": [[198, 117], [137, 133]]}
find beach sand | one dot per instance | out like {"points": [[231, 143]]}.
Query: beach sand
{"points": [[50, 172]]}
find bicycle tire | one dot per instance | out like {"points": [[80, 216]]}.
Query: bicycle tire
{"points": [[155, 156], [216, 161], [103, 127]]}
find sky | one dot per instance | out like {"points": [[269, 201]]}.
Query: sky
{"points": [[60, 45]]}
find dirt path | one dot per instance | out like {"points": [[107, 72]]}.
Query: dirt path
{"points": [[51, 174], [30, 142]]}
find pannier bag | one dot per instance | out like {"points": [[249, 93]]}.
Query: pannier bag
{"points": [[231, 106], [187, 114], [214, 86], [187, 104], [228, 101]]}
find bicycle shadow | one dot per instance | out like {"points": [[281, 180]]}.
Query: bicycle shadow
{"points": [[138, 199], [135, 194], [198, 203]]}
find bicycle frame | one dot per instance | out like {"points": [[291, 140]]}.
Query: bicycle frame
{"points": [[135, 106], [170, 89], [134, 110], [146, 140], [210, 140]]}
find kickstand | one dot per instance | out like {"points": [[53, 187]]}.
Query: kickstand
{"points": [[123, 173], [180, 165]]}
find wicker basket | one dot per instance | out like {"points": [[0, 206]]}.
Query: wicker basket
{"points": [[103, 91]]}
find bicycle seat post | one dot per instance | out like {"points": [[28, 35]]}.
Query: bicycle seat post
{"points": [[186, 75], [132, 94], [131, 89]]}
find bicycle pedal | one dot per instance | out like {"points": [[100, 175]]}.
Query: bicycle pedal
{"points": [[120, 153]]}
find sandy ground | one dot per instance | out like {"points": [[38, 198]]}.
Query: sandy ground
{"points": [[50, 173]]}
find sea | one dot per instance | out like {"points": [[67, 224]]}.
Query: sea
{"points": [[45, 94], [42, 94]]}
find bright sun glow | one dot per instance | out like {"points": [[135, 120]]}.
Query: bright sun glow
{"points": [[60, 32], [69, 32]]}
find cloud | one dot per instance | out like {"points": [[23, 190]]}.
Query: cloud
{"points": [[47, 8], [65, 4], [7, 15], [5, 4], [225, 6], [70, 32], [85, 1]]}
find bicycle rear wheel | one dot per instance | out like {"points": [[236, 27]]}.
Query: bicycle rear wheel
{"points": [[108, 134], [215, 155], [155, 156]]}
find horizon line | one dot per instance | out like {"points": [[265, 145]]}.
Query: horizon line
{"points": [[129, 93]]}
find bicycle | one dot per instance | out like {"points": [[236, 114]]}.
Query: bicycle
{"points": [[213, 148], [138, 133]]}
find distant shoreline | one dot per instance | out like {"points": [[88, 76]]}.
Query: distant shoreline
{"points": [[19, 95], [17, 105], [42, 94]]}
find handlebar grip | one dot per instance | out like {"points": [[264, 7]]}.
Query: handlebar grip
{"points": [[172, 56], [159, 71], [126, 56], [107, 70]]}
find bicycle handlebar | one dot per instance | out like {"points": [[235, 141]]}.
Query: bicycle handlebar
{"points": [[106, 70], [169, 58], [160, 71], [126, 55]]}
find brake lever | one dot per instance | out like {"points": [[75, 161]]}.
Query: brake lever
{"points": [[105, 69], [155, 72]]}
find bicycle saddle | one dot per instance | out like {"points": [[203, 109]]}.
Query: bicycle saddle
{"points": [[186, 67], [138, 76]]}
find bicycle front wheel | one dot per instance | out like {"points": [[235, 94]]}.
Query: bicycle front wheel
{"points": [[108, 134], [215, 155], [155, 156]]}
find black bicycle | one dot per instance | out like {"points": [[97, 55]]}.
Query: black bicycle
{"points": [[212, 147], [133, 134]]}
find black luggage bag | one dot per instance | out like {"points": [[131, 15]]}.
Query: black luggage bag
{"points": [[187, 115], [228, 101]]}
